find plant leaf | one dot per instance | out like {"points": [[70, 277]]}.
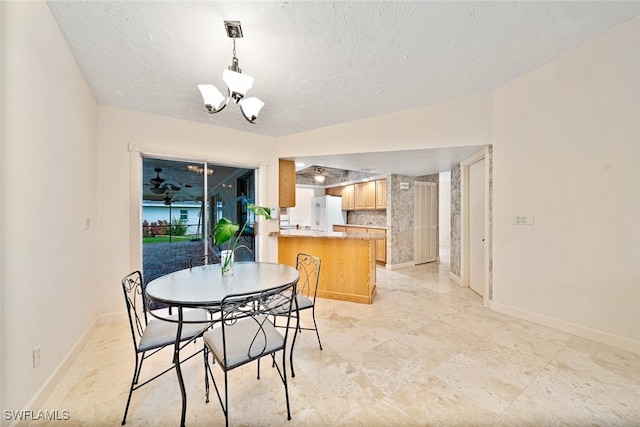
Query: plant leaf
{"points": [[259, 210], [224, 230]]}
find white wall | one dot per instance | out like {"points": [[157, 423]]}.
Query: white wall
{"points": [[459, 122], [122, 137], [48, 164], [567, 149], [1, 180], [301, 213]]}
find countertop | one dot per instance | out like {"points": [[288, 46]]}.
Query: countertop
{"points": [[361, 226], [328, 235]]}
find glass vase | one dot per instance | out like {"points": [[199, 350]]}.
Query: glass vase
{"points": [[226, 260]]}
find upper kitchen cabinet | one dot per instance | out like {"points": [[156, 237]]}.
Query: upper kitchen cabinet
{"points": [[365, 195], [287, 188], [381, 194], [333, 191], [348, 198]]}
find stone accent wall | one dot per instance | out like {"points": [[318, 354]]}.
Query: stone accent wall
{"points": [[377, 218], [400, 206], [400, 220], [455, 220]]}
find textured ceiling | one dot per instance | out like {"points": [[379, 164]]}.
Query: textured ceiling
{"points": [[318, 63]]}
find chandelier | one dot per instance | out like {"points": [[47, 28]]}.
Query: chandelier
{"points": [[237, 84]]}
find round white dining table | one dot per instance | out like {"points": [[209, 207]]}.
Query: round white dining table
{"points": [[205, 285]]}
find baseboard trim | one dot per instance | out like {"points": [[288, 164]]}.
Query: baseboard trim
{"points": [[401, 265], [456, 279], [571, 328], [52, 381], [108, 319]]}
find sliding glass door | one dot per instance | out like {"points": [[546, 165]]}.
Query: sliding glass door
{"points": [[181, 203]]}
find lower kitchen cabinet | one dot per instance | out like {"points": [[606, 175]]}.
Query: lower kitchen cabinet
{"points": [[381, 245]]}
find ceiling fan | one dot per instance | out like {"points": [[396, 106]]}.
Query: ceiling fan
{"points": [[319, 174], [160, 185]]}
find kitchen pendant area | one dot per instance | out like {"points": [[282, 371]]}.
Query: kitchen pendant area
{"points": [[354, 223], [325, 209], [370, 203]]}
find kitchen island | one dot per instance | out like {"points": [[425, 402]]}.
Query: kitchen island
{"points": [[348, 270]]}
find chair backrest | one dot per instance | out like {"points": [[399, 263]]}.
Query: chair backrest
{"points": [[257, 307], [211, 258], [136, 301], [308, 267]]}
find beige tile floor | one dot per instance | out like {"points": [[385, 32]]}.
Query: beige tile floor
{"points": [[425, 353]]}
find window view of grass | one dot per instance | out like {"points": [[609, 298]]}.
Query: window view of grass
{"points": [[167, 239], [163, 232]]}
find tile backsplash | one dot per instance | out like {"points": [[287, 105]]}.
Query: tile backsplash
{"points": [[376, 218]]}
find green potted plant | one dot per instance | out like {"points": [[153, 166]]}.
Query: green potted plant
{"points": [[224, 231]]}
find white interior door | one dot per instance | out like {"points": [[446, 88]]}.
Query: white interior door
{"points": [[476, 227], [425, 222]]}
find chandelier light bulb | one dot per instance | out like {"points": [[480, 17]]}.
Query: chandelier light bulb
{"points": [[250, 108], [214, 101]]}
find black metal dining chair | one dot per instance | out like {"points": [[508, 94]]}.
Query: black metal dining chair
{"points": [[211, 258], [308, 267], [151, 334], [245, 334]]}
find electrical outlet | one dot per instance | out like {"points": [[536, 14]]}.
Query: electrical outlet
{"points": [[36, 357], [519, 219]]}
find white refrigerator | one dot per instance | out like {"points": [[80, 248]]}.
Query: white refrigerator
{"points": [[325, 212]]}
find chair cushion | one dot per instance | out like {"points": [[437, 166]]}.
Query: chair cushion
{"points": [[303, 303], [244, 339], [159, 333]]}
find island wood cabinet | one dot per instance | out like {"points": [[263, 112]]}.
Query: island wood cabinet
{"points": [[381, 245], [287, 186], [348, 270]]}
